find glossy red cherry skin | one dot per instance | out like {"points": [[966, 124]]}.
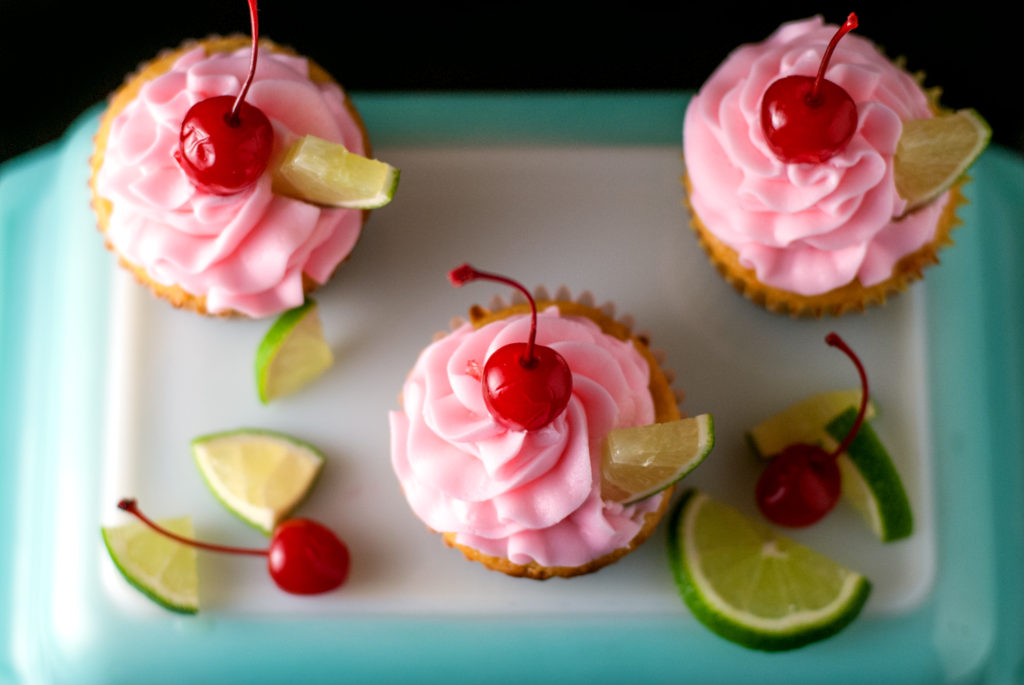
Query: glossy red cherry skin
{"points": [[526, 394], [799, 486], [306, 558], [222, 154], [801, 128]]}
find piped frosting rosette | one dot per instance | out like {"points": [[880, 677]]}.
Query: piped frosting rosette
{"points": [[528, 503], [807, 229], [253, 252]]}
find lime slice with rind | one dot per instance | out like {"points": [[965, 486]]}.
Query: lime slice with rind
{"points": [[932, 154], [162, 569], [642, 461], [870, 481], [293, 353], [325, 173], [804, 421], [754, 587], [261, 476]]}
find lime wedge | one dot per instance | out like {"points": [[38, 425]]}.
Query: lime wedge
{"points": [[933, 153], [754, 587], [292, 353], [644, 460], [261, 476], [870, 480], [325, 173], [160, 568], [804, 421]]}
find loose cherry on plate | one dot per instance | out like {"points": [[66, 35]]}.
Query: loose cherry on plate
{"points": [[225, 142], [304, 558], [809, 118], [801, 484], [526, 386]]}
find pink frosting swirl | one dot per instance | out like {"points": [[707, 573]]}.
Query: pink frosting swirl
{"points": [[245, 252], [524, 496], [806, 228]]}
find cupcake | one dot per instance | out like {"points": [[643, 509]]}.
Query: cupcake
{"points": [[528, 502], [251, 252], [817, 233]]}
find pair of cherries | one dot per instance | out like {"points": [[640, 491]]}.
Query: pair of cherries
{"points": [[224, 147], [808, 119], [225, 142], [526, 386]]}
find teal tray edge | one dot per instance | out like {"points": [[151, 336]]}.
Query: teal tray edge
{"points": [[976, 407]]}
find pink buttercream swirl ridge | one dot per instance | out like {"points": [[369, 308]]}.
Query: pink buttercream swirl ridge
{"points": [[526, 496], [245, 252], [806, 228]]}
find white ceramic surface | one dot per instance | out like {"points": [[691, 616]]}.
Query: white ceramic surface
{"points": [[604, 219]]}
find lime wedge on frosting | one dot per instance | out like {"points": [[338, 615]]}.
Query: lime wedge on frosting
{"points": [[325, 173], [933, 153], [644, 460]]}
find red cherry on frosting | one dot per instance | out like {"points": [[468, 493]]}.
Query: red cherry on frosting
{"points": [[304, 557], [808, 118], [526, 392], [525, 386], [225, 143], [802, 483], [222, 152]]}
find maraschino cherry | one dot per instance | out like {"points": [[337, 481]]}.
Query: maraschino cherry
{"points": [[526, 386], [225, 142], [809, 118], [304, 558], [802, 483]]}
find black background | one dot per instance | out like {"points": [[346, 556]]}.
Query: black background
{"points": [[59, 57]]}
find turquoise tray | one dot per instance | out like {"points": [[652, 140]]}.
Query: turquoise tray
{"points": [[53, 339]]}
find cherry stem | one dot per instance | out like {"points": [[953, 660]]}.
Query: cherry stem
{"points": [[233, 116], [462, 275], [132, 508], [848, 25], [835, 341]]}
